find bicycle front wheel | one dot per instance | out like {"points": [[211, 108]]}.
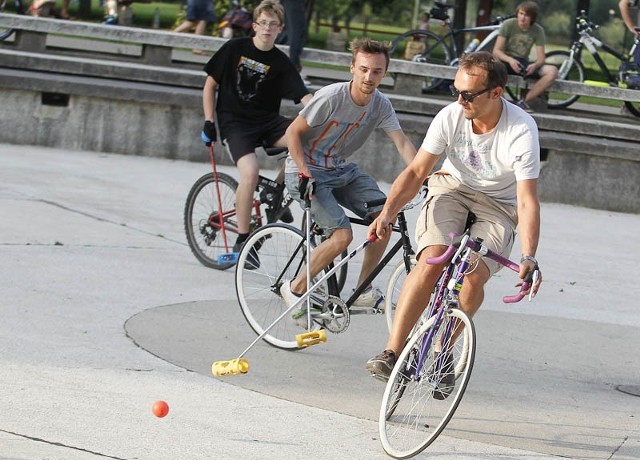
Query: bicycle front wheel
{"points": [[423, 46], [272, 255], [569, 69], [633, 107], [394, 285], [414, 412], [206, 214]]}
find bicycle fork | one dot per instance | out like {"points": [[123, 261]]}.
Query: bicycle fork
{"points": [[446, 298]]}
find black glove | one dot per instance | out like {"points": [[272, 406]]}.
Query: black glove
{"points": [[306, 186], [209, 134]]}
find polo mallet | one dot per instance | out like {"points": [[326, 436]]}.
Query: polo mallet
{"points": [[228, 256], [240, 365]]}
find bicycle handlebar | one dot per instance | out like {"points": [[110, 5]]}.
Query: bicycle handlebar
{"points": [[479, 248], [583, 23], [501, 19]]}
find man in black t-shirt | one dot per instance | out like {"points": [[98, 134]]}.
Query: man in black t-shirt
{"points": [[252, 77]]}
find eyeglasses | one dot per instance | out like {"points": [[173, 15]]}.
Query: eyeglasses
{"points": [[268, 25], [466, 95]]}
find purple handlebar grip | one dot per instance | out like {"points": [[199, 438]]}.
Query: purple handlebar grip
{"points": [[443, 258], [519, 296]]}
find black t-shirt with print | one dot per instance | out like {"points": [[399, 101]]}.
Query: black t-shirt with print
{"points": [[252, 82]]}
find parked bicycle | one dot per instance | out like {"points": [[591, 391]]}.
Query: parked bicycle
{"points": [[420, 45], [432, 371], [571, 67], [210, 212]]}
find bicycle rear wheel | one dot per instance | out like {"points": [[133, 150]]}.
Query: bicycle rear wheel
{"points": [[393, 290], [281, 252], [569, 69], [423, 46], [633, 107], [411, 418], [202, 213]]}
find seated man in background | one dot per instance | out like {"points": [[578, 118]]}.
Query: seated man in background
{"points": [[513, 46]]}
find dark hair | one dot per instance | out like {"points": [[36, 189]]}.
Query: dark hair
{"points": [[496, 70], [368, 46], [530, 9]]}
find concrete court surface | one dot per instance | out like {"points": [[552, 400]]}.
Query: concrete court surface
{"points": [[105, 310]]}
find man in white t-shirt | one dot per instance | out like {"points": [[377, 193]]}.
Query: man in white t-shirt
{"points": [[491, 170]]}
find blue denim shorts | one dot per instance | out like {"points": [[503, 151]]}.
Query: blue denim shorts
{"points": [[336, 189]]}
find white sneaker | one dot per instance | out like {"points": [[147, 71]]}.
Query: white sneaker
{"points": [[299, 315], [370, 298]]}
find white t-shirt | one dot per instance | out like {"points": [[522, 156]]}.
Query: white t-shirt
{"points": [[339, 127], [491, 162]]}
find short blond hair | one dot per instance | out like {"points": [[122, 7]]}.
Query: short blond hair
{"points": [[272, 7]]}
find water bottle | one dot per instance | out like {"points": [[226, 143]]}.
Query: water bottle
{"points": [[472, 46]]}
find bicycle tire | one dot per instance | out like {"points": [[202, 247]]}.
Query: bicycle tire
{"points": [[633, 107], [202, 230], [568, 70], [435, 51], [281, 251], [410, 417], [392, 292], [6, 34]]}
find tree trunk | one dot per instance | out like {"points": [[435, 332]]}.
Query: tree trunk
{"points": [[84, 9], [484, 16], [459, 21]]}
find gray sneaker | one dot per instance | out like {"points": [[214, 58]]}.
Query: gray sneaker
{"points": [[524, 106], [381, 365], [370, 298], [447, 376]]}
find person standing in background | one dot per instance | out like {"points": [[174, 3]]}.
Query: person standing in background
{"points": [[625, 11], [295, 31], [199, 14]]}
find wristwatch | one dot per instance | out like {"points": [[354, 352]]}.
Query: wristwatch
{"points": [[531, 258]]}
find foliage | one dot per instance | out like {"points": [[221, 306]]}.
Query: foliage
{"points": [[613, 34], [559, 26]]}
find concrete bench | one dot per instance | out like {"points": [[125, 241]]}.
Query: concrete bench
{"points": [[160, 48], [128, 90]]}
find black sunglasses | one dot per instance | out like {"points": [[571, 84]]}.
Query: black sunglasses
{"points": [[466, 95]]}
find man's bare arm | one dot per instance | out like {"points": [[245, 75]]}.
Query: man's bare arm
{"points": [[405, 147]]}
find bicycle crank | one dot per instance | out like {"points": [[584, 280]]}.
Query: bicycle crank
{"points": [[335, 315]]}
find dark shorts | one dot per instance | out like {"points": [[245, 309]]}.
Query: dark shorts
{"points": [[523, 63], [201, 10], [240, 139]]}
